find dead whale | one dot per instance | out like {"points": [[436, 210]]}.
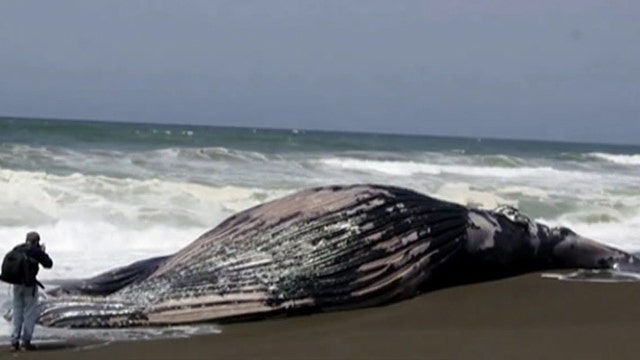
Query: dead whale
{"points": [[323, 249]]}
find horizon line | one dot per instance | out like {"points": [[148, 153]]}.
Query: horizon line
{"points": [[320, 130]]}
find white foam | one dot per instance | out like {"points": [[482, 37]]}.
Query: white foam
{"points": [[208, 154], [618, 158], [462, 193], [109, 221], [524, 191], [599, 276], [608, 226], [409, 168]]}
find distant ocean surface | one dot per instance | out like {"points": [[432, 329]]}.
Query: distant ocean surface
{"points": [[106, 194]]}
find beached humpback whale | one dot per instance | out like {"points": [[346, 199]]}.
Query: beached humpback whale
{"points": [[322, 249]]}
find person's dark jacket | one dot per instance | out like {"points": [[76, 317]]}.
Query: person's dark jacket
{"points": [[36, 253]]}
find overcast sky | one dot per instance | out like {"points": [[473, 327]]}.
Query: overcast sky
{"points": [[564, 70]]}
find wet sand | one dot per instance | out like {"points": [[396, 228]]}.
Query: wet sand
{"points": [[525, 317]]}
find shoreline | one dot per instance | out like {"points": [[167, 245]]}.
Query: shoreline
{"points": [[524, 317]]}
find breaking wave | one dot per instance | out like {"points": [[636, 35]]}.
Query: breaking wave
{"points": [[618, 158]]}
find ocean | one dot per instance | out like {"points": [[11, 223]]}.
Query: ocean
{"points": [[105, 194]]}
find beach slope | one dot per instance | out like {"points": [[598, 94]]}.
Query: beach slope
{"points": [[525, 317]]}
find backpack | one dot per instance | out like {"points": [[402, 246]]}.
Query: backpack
{"points": [[18, 267]]}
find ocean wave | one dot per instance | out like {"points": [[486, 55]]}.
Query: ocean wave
{"points": [[612, 227], [621, 159], [207, 164], [500, 160], [408, 168], [211, 153], [28, 154], [39, 198], [58, 159], [178, 132], [464, 193], [431, 157]]}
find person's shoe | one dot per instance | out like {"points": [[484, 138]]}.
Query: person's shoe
{"points": [[27, 345], [15, 346]]}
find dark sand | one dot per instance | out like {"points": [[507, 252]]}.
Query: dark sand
{"points": [[526, 317]]}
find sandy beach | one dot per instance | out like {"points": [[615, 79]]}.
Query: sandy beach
{"points": [[525, 317]]}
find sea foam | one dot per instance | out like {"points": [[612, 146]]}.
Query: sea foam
{"points": [[409, 168], [618, 158], [107, 218]]}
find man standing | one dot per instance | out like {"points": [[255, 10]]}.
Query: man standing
{"points": [[25, 291]]}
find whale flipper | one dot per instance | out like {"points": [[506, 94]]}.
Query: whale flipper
{"points": [[110, 281]]}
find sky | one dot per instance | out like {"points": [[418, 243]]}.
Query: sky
{"points": [[554, 70]]}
